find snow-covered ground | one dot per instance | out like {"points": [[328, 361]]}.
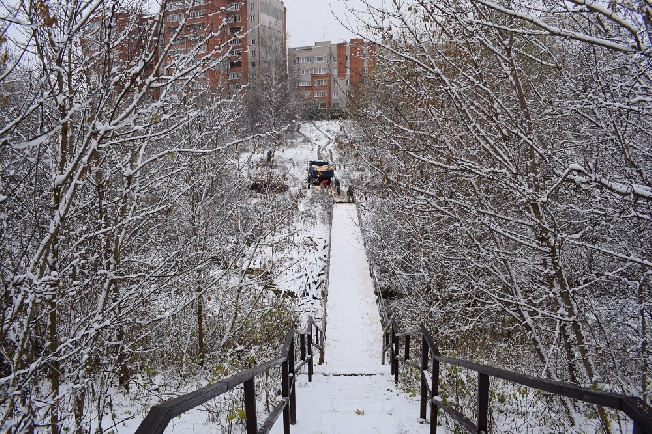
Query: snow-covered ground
{"points": [[352, 392]]}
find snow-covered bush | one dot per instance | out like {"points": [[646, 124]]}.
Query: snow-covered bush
{"points": [[508, 158]]}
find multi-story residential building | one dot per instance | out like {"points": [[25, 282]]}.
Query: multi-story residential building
{"points": [[328, 73], [247, 31], [239, 36]]}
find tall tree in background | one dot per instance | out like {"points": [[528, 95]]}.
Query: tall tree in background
{"points": [[513, 145], [104, 150], [271, 98]]}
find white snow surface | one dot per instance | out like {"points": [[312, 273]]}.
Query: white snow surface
{"points": [[352, 392], [353, 327]]}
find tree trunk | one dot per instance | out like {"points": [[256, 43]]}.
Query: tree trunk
{"points": [[200, 327]]}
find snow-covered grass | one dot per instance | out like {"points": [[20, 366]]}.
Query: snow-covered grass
{"points": [[352, 391], [297, 255]]}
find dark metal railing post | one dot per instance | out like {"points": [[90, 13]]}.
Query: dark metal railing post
{"points": [[293, 388], [384, 345], [390, 338], [435, 393], [320, 338], [302, 346], [424, 385], [407, 347], [285, 374], [483, 402], [310, 361], [250, 406], [397, 353]]}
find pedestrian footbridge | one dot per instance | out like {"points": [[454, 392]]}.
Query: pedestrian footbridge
{"points": [[354, 390]]}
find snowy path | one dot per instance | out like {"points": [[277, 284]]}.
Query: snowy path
{"points": [[350, 403], [353, 328]]}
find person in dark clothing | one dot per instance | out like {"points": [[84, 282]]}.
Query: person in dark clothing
{"points": [[336, 183], [349, 194]]}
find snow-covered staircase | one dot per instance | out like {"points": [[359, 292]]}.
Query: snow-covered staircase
{"points": [[352, 392]]}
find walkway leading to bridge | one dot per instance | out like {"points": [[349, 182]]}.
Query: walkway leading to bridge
{"points": [[352, 392]]}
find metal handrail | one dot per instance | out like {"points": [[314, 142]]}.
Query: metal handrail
{"points": [[634, 407], [160, 415]]}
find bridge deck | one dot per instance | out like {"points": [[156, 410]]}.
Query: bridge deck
{"points": [[352, 392]]}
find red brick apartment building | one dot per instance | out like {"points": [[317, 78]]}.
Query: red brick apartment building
{"points": [[328, 73], [240, 35]]}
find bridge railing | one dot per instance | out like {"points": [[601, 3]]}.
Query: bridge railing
{"points": [[160, 415], [635, 408]]}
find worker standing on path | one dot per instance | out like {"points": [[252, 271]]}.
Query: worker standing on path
{"points": [[337, 185], [349, 194]]}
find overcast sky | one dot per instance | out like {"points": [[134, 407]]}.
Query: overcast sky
{"points": [[310, 21]]}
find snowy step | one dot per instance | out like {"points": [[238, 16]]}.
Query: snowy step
{"points": [[354, 404]]}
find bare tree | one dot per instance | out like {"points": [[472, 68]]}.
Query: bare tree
{"points": [[107, 136], [512, 144]]}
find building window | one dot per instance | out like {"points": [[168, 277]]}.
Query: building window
{"points": [[234, 30], [199, 2], [177, 52], [174, 17], [321, 82], [253, 64], [305, 60], [253, 42], [197, 14], [200, 48], [336, 94], [252, 7], [348, 82], [198, 85], [252, 52], [322, 105], [195, 38], [178, 41], [304, 72], [234, 7], [347, 57], [307, 94], [235, 64], [304, 82], [235, 41], [235, 75], [319, 70], [348, 93], [320, 59], [320, 93], [234, 18], [195, 26], [252, 18], [235, 52]]}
